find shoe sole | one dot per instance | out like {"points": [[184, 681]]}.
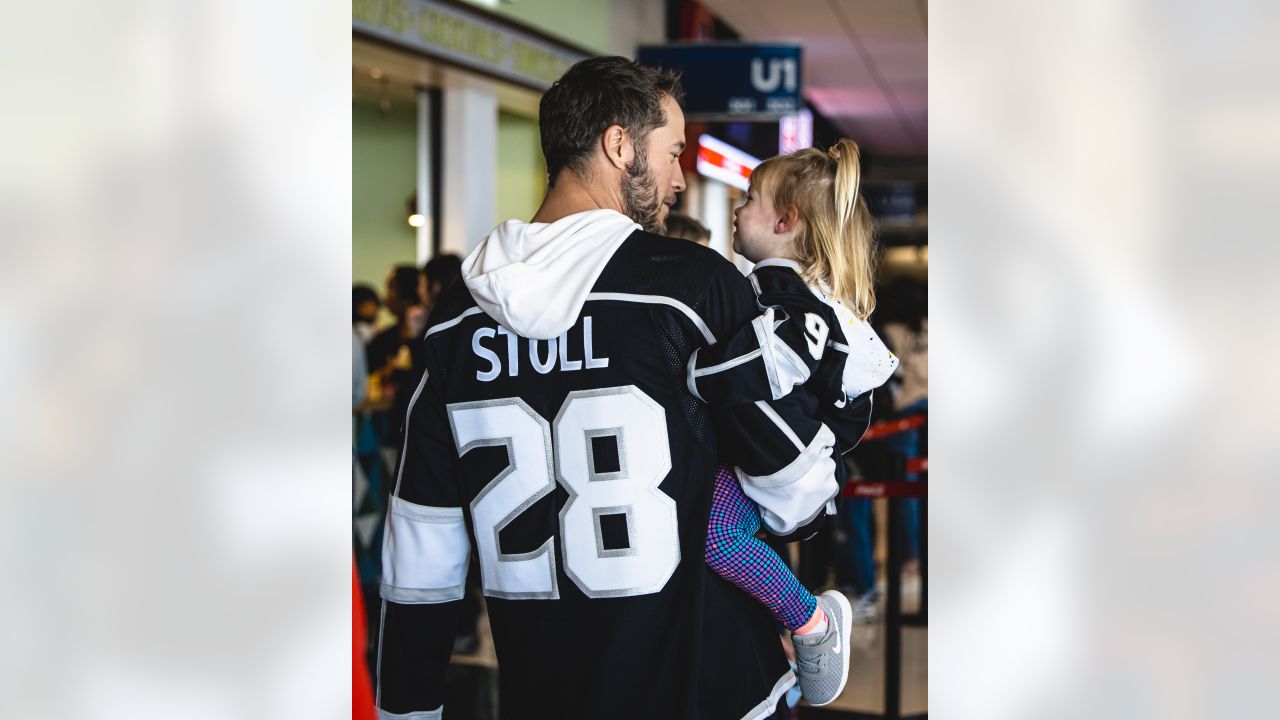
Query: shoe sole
{"points": [[846, 627]]}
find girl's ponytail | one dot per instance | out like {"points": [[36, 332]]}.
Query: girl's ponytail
{"points": [[836, 242], [848, 177], [853, 267]]}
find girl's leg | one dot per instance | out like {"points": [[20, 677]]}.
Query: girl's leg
{"points": [[735, 554]]}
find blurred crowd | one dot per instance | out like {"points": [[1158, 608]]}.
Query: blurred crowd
{"points": [[384, 354], [386, 333]]}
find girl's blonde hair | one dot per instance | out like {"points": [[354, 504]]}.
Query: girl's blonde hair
{"points": [[835, 238]]}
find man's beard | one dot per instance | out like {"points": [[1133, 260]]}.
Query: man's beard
{"points": [[640, 200]]}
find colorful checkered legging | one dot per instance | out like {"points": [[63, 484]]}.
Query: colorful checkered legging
{"points": [[737, 555]]}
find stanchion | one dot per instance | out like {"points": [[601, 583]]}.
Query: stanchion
{"points": [[893, 619], [920, 618], [896, 490]]}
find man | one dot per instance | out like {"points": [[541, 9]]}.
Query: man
{"points": [[437, 274], [683, 226], [401, 299], [553, 428], [364, 313]]}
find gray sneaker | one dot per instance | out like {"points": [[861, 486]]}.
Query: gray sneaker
{"points": [[823, 660]]}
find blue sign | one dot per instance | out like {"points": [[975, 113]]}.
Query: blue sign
{"points": [[732, 81]]}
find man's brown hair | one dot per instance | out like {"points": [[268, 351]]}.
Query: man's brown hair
{"points": [[594, 94]]}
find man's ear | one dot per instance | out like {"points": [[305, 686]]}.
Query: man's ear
{"points": [[787, 219], [617, 147]]}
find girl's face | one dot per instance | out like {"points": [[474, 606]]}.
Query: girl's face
{"points": [[758, 232]]}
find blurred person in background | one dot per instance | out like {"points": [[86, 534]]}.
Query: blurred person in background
{"points": [[901, 320], [403, 302], [685, 227], [904, 324], [396, 351], [855, 560], [359, 374], [364, 324], [364, 312], [438, 274]]}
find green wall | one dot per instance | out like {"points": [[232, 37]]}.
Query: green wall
{"points": [[522, 173], [581, 22], [384, 173]]}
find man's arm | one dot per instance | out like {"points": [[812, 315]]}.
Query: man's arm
{"points": [[424, 563]]}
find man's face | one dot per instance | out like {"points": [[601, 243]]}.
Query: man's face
{"points": [[652, 180]]}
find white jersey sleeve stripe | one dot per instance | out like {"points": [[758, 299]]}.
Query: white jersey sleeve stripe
{"points": [[766, 708], [763, 326], [689, 377], [726, 365], [798, 493], [424, 553], [782, 425], [437, 714], [791, 369], [659, 300], [450, 323]]}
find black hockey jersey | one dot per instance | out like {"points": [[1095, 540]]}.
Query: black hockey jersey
{"points": [[797, 340], [580, 469]]}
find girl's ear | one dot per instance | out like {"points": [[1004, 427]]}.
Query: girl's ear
{"points": [[787, 219]]}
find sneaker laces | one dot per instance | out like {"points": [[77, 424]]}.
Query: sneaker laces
{"points": [[809, 665]]}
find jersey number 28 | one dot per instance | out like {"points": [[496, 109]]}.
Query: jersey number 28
{"points": [[540, 453]]}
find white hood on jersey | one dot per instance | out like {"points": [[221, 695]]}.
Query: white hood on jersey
{"points": [[534, 277]]}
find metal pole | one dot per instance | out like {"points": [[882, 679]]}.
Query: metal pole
{"points": [[893, 607], [426, 229]]}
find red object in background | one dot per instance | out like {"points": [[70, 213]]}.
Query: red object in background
{"points": [[885, 428], [896, 489], [697, 23], [689, 158], [361, 688]]}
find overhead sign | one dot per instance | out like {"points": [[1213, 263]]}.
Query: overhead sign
{"points": [[470, 39], [721, 161], [733, 81]]}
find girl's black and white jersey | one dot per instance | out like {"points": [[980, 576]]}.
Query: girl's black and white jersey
{"points": [[803, 339], [579, 470]]}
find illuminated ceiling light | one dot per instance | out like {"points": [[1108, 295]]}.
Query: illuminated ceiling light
{"points": [[417, 220]]}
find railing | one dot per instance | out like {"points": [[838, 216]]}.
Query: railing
{"points": [[895, 489]]}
